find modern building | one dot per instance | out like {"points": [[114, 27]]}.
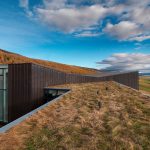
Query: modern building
{"points": [[22, 85]]}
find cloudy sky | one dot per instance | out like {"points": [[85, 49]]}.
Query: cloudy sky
{"points": [[113, 34]]}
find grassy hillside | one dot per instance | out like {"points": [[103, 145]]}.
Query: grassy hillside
{"points": [[7, 58], [145, 84], [94, 116]]}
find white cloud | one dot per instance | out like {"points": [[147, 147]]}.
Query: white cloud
{"points": [[71, 19], [138, 13], [54, 4], [124, 30], [24, 3], [132, 19], [127, 62], [141, 16], [140, 38], [87, 34]]}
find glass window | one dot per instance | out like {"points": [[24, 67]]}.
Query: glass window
{"points": [[1, 71], [6, 80], [1, 82], [1, 105], [3, 95]]}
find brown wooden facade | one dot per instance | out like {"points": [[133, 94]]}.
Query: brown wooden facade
{"points": [[26, 82]]}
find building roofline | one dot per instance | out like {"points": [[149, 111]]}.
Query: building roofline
{"points": [[96, 75]]}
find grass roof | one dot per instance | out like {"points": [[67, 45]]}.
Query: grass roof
{"points": [[94, 116]]}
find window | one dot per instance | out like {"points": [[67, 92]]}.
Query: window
{"points": [[3, 94], [1, 71], [1, 105], [1, 82]]}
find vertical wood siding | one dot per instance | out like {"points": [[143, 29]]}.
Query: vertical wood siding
{"points": [[19, 90]]}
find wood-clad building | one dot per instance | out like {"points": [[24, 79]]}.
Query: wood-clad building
{"points": [[27, 81]]}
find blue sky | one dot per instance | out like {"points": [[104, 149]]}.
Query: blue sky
{"points": [[116, 34]]}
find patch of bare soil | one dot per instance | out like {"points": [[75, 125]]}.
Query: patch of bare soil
{"points": [[94, 116]]}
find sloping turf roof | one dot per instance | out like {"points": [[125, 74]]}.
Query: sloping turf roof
{"points": [[93, 116]]}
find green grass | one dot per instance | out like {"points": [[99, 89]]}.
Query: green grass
{"points": [[44, 138], [145, 84]]}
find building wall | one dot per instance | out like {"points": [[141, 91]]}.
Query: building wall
{"points": [[130, 79], [19, 90], [43, 77], [26, 83]]}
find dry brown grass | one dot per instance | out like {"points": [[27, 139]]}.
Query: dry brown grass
{"points": [[8, 58], [94, 116]]}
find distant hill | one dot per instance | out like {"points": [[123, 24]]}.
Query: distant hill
{"points": [[144, 74], [8, 58]]}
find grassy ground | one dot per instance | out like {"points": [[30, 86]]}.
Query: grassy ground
{"points": [[145, 84], [94, 116]]}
